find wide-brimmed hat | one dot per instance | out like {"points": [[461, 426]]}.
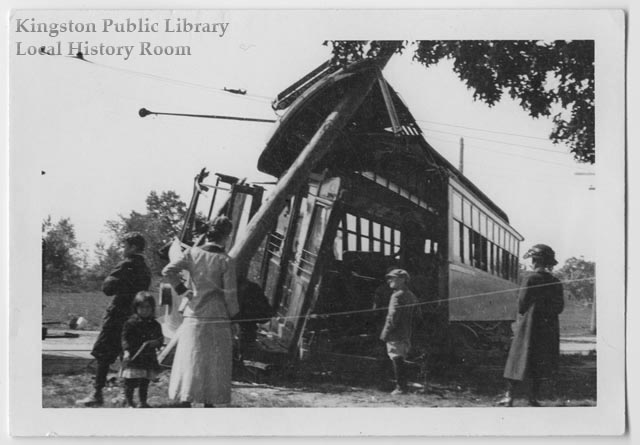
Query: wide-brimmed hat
{"points": [[542, 252], [398, 273]]}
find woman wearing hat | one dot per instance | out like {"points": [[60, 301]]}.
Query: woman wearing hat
{"points": [[201, 371], [535, 348]]}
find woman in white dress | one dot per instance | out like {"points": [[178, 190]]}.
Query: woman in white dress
{"points": [[201, 371]]}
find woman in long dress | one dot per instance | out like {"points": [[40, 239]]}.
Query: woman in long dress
{"points": [[201, 371], [535, 348]]}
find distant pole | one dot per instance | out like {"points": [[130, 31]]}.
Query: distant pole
{"points": [[462, 155], [593, 327], [591, 187]]}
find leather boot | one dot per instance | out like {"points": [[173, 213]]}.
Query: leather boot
{"points": [[400, 377], [93, 400], [507, 400], [533, 395], [143, 390], [129, 388], [96, 398]]}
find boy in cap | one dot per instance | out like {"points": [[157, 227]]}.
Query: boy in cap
{"points": [[398, 325], [127, 279]]}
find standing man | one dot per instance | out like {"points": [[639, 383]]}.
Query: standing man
{"points": [[127, 279], [535, 348], [398, 325]]}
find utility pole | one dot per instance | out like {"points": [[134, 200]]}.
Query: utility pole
{"points": [[593, 327], [591, 186], [592, 324], [462, 155]]}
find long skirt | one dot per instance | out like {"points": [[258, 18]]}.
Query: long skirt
{"points": [[201, 371]]}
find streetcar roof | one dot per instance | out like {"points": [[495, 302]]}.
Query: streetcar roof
{"points": [[307, 102]]}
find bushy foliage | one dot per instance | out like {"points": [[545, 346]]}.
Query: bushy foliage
{"points": [[539, 74], [62, 257], [162, 221], [107, 258], [578, 276]]}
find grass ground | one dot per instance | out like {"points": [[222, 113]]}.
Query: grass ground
{"points": [[575, 319], [62, 307]]}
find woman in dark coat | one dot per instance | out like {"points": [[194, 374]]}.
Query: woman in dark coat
{"points": [[535, 348]]}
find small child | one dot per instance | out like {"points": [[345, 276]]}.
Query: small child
{"points": [[141, 336]]}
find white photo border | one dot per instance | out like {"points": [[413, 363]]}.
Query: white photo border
{"points": [[605, 27]]}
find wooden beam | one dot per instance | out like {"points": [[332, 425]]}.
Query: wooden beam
{"points": [[320, 145], [388, 101]]}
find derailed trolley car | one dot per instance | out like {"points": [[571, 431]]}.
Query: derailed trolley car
{"points": [[378, 196]]}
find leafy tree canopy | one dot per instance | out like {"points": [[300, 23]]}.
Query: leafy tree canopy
{"points": [[539, 74], [578, 276], [107, 258], [161, 222], [62, 258]]}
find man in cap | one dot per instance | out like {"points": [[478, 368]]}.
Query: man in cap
{"points": [[398, 325], [123, 283]]}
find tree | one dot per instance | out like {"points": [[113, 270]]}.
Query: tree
{"points": [[168, 208], [108, 257], [578, 277], [61, 254], [161, 222], [540, 74]]}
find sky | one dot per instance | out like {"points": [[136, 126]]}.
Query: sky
{"points": [[78, 121]]}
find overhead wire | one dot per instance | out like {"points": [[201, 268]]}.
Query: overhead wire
{"points": [[485, 130], [497, 141], [268, 99], [419, 304], [426, 130], [537, 178], [263, 98], [511, 154], [246, 96]]}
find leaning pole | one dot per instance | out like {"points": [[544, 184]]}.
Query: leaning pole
{"points": [[298, 172]]}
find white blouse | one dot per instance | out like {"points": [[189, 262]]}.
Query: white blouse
{"points": [[213, 282]]}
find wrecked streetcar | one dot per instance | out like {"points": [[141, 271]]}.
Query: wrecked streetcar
{"points": [[360, 190]]}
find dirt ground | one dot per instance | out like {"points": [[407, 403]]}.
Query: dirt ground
{"points": [[341, 382], [323, 384]]}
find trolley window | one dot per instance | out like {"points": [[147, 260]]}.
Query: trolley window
{"points": [[480, 240]]}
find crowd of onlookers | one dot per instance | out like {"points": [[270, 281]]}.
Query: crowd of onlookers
{"points": [[201, 368]]}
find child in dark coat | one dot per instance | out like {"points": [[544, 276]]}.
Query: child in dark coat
{"points": [[141, 336]]}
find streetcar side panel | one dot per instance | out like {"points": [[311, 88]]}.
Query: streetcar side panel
{"points": [[483, 260]]}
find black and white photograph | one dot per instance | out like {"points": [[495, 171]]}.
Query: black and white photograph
{"points": [[244, 216]]}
